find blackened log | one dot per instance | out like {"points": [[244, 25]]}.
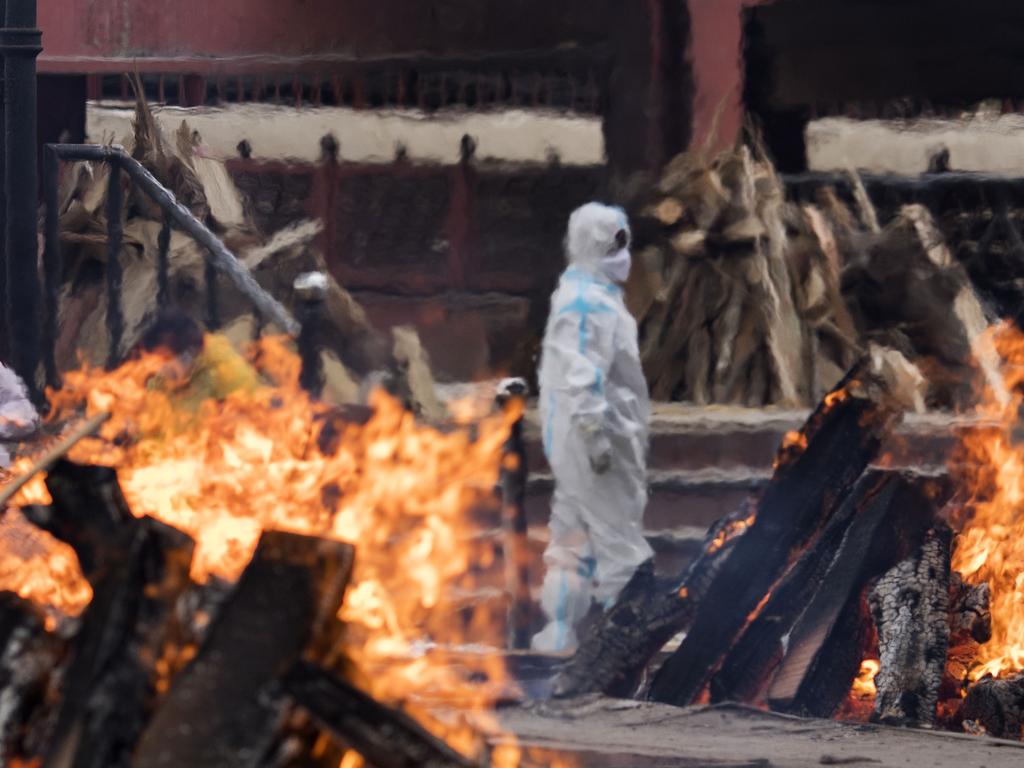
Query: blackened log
{"points": [[386, 737], [970, 614], [222, 710], [910, 605], [997, 706], [841, 437], [113, 680], [28, 655], [827, 644], [615, 651], [88, 512], [748, 667]]}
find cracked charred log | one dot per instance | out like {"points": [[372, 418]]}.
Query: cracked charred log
{"points": [[910, 605], [997, 706]]}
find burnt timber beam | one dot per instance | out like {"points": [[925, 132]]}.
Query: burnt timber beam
{"points": [[111, 683], [224, 709], [386, 737], [894, 512], [842, 437]]}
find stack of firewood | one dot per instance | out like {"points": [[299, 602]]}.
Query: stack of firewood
{"points": [[745, 297], [356, 356]]}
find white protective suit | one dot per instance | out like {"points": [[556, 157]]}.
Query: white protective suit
{"points": [[18, 417], [595, 411]]}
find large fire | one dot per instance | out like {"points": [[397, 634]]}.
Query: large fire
{"points": [[402, 492], [990, 547]]}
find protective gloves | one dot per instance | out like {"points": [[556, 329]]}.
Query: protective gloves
{"points": [[599, 448]]}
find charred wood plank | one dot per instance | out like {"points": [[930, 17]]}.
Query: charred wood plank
{"points": [[748, 667], [222, 710], [997, 705], [841, 437], [615, 651], [386, 737], [112, 681], [28, 654], [910, 604], [826, 645]]}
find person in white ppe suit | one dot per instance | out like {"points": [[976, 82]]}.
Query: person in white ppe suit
{"points": [[18, 417], [595, 412]]}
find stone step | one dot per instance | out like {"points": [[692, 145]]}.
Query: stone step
{"points": [[690, 438], [678, 498]]}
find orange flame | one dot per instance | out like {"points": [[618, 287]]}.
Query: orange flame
{"points": [[729, 531], [864, 685], [990, 547], [794, 443], [403, 493]]}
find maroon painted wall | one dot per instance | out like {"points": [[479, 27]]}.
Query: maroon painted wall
{"points": [[292, 28]]}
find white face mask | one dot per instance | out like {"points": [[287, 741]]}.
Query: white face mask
{"points": [[616, 267]]}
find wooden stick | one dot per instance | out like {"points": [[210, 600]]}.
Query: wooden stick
{"points": [[87, 429]]}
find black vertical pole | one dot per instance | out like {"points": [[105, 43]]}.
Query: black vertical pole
{"points": [[311, 291], [163, 280], [5, 335], [514, 473], [21, 43], [115, 233], [52, 265]]}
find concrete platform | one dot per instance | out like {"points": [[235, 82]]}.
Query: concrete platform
{"points": [[600, 732]]}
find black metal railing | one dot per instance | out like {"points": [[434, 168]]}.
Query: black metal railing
{"points": [[572, 79], [219, 260]]}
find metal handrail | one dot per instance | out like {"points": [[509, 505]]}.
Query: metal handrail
{"points": [[218, 257]]}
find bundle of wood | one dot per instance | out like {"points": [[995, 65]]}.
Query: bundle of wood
{"points": [[745, 297], [356, 354]]}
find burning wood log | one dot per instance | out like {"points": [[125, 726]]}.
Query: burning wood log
{"points": [[386, 737], [997, 706], [115, 676], [841, 437], [220, 711], [138, 570], [826, 645], [910, 605], [761, 648]]}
